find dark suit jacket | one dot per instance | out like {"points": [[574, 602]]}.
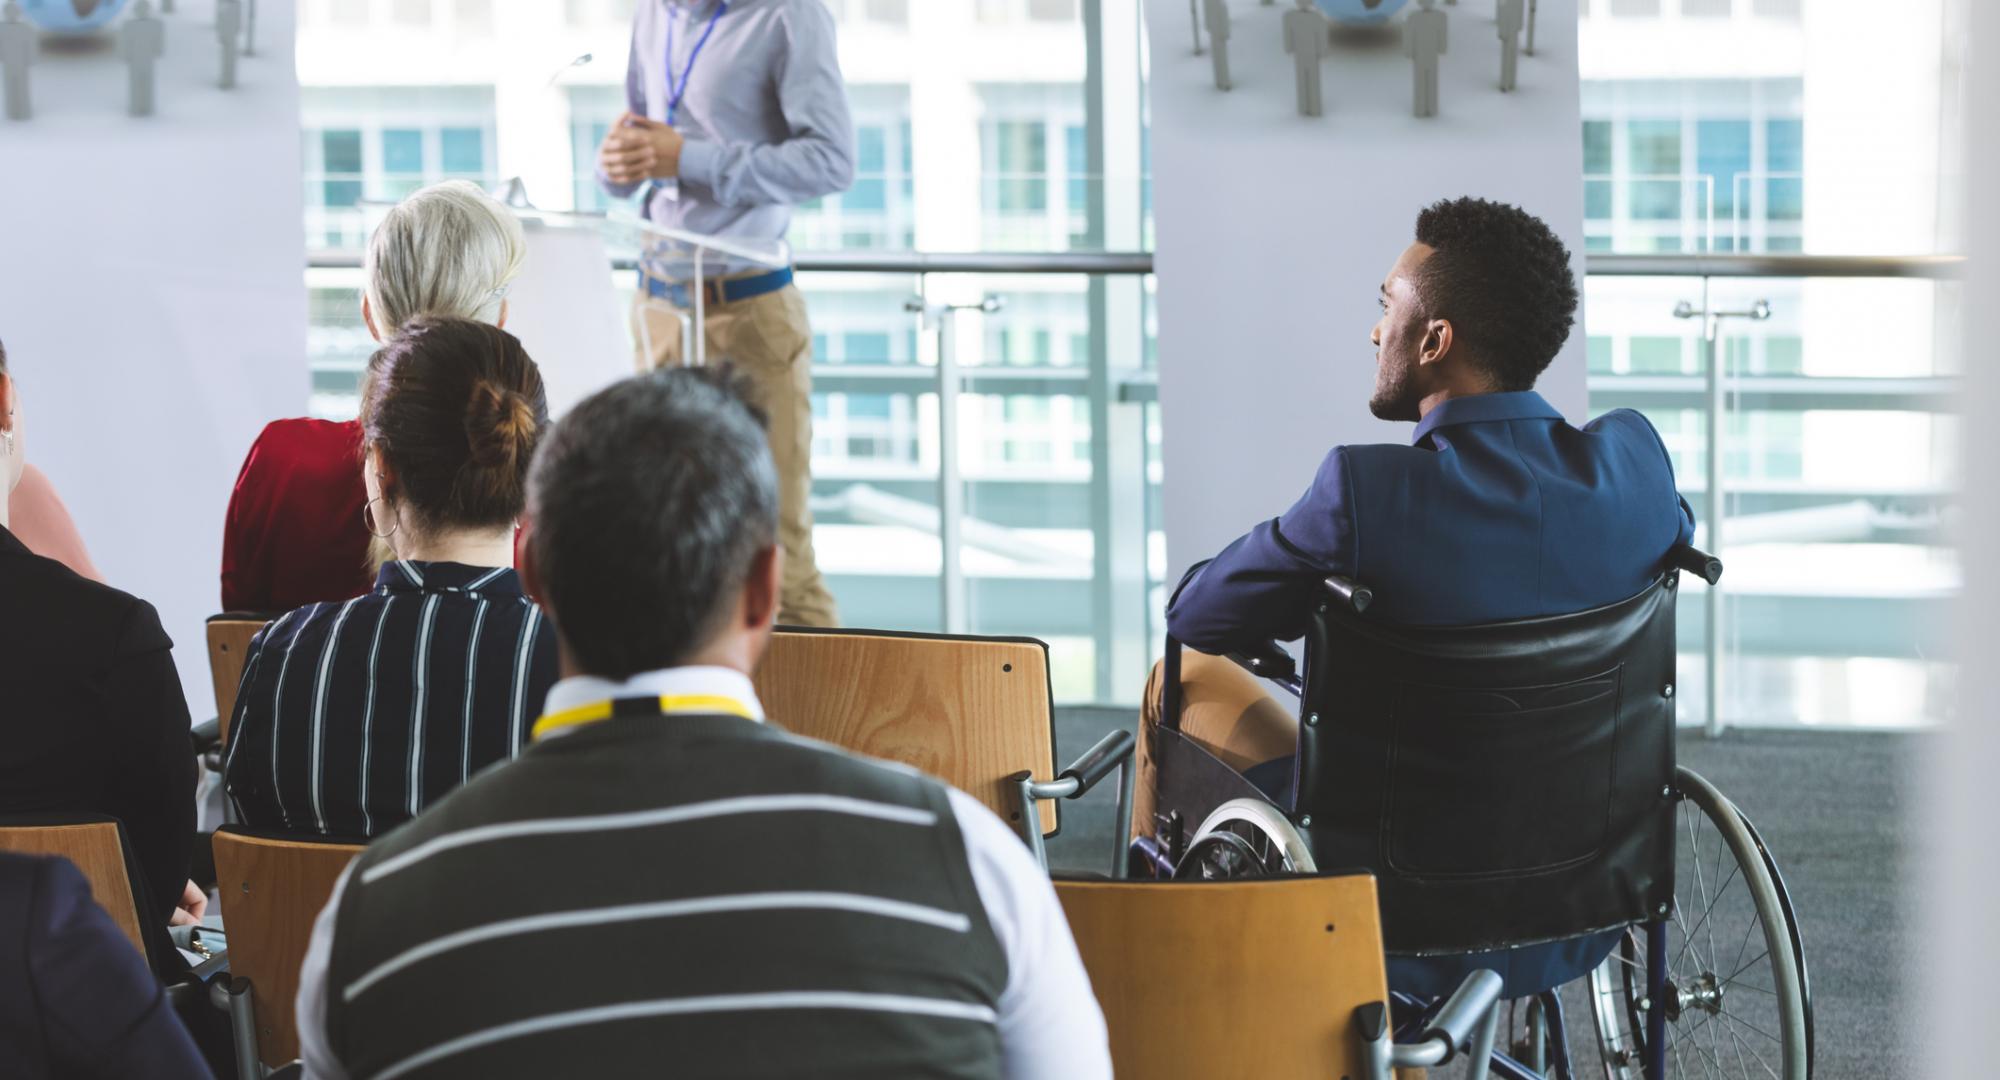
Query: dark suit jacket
{"points": [[92, 718], [76, 999], [1499, 509]]}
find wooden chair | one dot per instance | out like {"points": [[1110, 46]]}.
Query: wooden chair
{"points": [[97, 847], [271, 890], [1258, 978], [975, 712], [228, 645]]}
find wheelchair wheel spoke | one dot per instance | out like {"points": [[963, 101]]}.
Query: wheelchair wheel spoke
{"points": [[1740, 1048], [1732, 975]]}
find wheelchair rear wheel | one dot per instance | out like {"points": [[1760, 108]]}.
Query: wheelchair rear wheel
{"points": [[1245, 838], [1735, 997]]}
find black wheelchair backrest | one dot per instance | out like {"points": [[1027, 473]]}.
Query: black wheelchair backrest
{"points": [[1508, 783]]}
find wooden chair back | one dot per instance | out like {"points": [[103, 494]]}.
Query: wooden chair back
{"points": [[228, 646], [969, 711], [271, 891], [1210, 980], [99, 852]]}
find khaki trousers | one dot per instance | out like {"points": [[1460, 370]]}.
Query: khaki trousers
{"points": [[769, 341], [1225, 709]]}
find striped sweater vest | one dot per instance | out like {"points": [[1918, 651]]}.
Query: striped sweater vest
{"points": [[686, 895]]}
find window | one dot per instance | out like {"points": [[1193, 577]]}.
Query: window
{"points": [[341, 167], [463, 151], [1598, 182], [1722, 153], [402, 162], [411, 12], [1784, 158], [871, 187], [1021, 166], [1656, 162]]}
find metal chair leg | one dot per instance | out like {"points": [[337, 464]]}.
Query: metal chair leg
{"points": [[232, 995]]}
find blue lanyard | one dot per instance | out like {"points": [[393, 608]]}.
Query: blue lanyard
{"points": [[678, 90]]}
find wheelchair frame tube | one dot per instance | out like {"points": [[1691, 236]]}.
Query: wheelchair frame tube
{"points": [[1656, 992]]}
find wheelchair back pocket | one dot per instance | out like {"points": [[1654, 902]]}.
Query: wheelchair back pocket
{"points": [[1500, 781]]}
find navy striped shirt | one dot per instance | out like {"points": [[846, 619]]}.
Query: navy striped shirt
{"points": [[354, 716]]}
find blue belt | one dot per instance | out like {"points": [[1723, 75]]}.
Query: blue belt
{"points": [[714, 291]]}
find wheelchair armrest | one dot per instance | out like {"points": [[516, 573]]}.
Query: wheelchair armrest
{"points": [[206, 736], [1697, 562], [1456, 1023], [1268, 662], [1113, 750], [1350, 592]]}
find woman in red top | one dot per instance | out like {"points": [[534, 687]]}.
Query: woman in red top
{"points": [[294, 535]]}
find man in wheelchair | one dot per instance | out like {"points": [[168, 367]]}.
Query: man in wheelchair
{"points": [[1498, 509]]}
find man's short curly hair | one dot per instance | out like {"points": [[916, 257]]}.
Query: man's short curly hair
{"points": [[1502, 278]]}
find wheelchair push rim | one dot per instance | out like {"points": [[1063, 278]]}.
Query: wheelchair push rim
{"points": [[1245, 838], [1734, 997]]}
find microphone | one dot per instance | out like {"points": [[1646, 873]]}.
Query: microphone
{"points": [[581, 61]]}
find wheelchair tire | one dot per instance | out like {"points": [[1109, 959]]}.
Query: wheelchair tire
{"points": [[1726, 1016], [1245, 838]]}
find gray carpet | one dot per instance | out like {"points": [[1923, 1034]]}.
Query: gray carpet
{"points": [[1834, 807]]}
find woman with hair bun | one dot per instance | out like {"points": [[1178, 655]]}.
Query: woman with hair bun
{"points": [[354, 716], [293, 534]]}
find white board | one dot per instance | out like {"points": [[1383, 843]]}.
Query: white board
{"points": [[1274, 231]]}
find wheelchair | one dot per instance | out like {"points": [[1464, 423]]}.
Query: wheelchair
{"points": [[1513, 785]]}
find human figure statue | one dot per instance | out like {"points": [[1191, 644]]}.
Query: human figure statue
{"points": [[1217, 12], [1306, 39], [1424, 43], [19, 45], [1510, 14], [1194, 19], [229, 29], [143, 40], [1529, 49]]}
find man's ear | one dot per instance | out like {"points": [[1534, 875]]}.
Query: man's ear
{"points": [[368, 318], [1437, 341], [761, 588], [502, 324]]}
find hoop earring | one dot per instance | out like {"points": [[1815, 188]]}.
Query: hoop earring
{"points": [[368, 519]]}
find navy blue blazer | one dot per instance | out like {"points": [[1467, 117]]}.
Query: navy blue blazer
{"points": [[76, 999], [1498, 509]]}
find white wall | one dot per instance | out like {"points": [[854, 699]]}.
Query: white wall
{"points": [[1962, 875], [1274, 232], [152, 299]]}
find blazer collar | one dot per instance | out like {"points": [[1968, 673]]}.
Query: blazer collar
{"points": [[1484, 409]]}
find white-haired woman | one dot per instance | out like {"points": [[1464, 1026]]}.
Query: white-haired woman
{"points": [[294, 535]]}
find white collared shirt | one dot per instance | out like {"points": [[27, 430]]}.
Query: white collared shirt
{"points": [[580, 690], [1050, 1023]]}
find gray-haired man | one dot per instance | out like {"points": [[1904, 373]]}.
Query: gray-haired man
{"points": [[694, 891], [735, 112]]}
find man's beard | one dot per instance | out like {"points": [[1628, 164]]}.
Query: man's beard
{"points": [[1395, 395]]}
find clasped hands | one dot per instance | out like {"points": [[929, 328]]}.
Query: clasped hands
{"points": [[637, 148]]}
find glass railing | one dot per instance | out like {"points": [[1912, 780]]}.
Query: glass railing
{"points": [[1837, 446]]}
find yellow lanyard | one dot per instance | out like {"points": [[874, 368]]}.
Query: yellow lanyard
{"points": [[664, 705]]}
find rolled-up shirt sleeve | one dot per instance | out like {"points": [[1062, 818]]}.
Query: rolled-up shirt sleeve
{"points": [[816, 157]]}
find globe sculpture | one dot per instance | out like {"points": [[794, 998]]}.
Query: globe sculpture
{"points": [[1360, 12], [73, 16]]}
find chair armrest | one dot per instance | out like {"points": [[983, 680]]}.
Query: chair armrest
{"points": [[1697, 562], [1455, 1025], [206, 736], [1269, 661], [1113, 750], [1349, 591]]}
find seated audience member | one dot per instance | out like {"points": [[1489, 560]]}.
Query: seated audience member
{"points": [[293, 535], [1498, 509], [354, 716], [42, 523], [92, 716], [76, 1000], [716, 894]]}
